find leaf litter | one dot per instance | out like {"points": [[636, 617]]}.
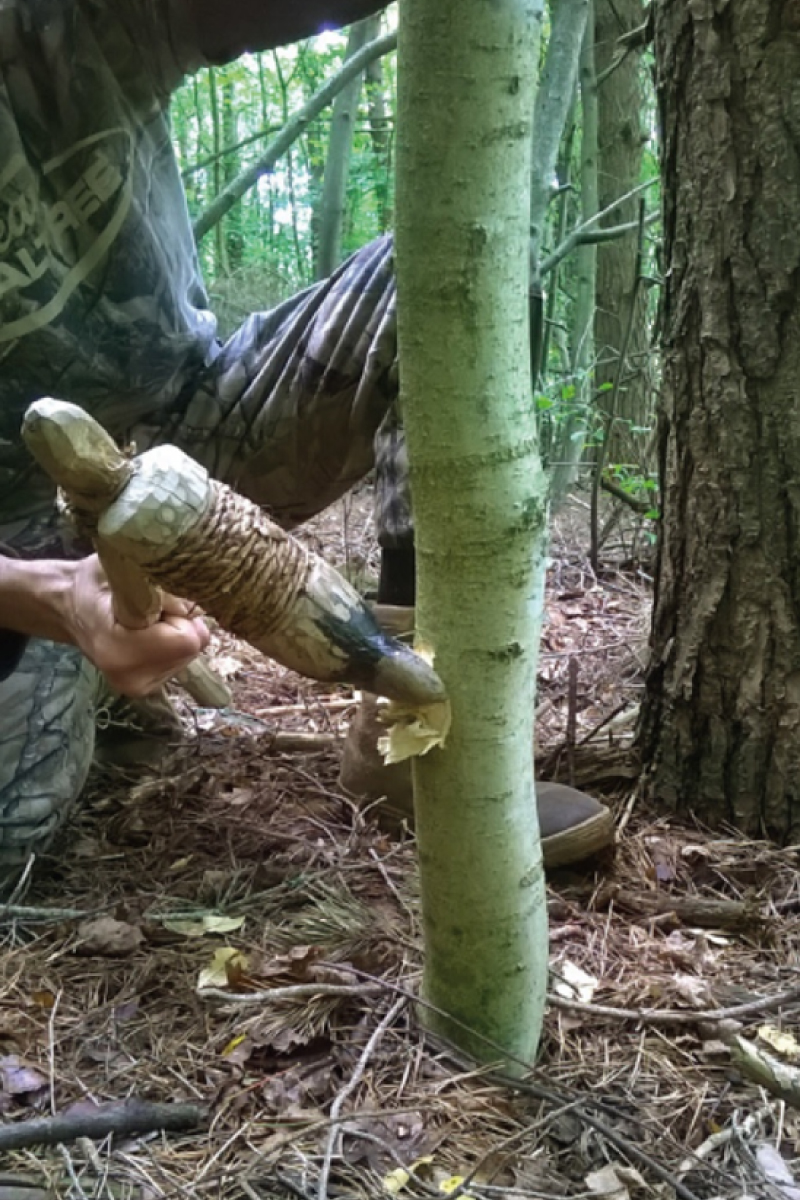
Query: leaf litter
{"points": [[239, 853]]}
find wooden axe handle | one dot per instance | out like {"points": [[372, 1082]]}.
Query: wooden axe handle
{"points": [[86, 463]]}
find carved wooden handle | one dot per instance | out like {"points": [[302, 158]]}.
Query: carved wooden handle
{"points": [[162, 515], [91, 470]]}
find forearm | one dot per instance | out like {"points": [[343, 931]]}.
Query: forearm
{"points": [[35, 596], [71, 602], [227, 30]]}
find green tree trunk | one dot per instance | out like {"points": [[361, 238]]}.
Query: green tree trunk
{"points": [[380, 131], [564, 468], [234, 236], [620, 104], [721, 724], [221, 257], [466, 84], [337, 161]]}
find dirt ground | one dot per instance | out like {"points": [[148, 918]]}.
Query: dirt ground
{"points": [[227, 931]]}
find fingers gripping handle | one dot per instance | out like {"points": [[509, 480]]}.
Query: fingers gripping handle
{"points": [[85, 462]]}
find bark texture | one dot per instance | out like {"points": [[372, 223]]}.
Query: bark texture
{"points": [[466, 79], [721, 723]]}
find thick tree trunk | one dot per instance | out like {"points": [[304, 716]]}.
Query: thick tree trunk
{"points": [[721, 723], [465, 104], [620, 144]]}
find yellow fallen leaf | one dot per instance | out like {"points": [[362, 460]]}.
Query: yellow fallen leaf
{"points": [[780, 1040], [233, 1043], [180, 864], [446, 1186], [396, 1180], [225, 961], [43, 999]]}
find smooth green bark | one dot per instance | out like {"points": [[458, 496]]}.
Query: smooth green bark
{"points": [[337, 162], [466, 91]]}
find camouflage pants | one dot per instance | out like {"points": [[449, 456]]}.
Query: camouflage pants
{"points": [[297, 407]]}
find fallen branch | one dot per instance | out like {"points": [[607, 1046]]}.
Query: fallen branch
{"points": [[304, 743], [677, 1016], [350, 1087], [702, 911], [297, 991], [35, 916], [120, 1120], [20, 1187]]}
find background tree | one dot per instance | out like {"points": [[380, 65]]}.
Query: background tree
{"points": [[721, 725], [467, 73], [621, 113], [333, 201]]}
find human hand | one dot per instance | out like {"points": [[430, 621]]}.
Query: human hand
{"points": [[134, 661]]}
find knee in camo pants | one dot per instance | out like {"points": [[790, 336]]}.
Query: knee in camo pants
{"points": [[47, 732], [296, 408]]}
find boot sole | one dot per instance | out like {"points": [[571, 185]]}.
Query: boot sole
{"points": [[579, 842]]}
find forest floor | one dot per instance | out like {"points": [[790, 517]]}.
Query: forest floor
{"points": [[158, 951]]}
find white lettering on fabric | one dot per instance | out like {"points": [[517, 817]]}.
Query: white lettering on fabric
{"points": [[48, 248]]}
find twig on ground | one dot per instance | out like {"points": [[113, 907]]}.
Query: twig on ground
{"points": [[21, 886], [20, 1187], [51, 1051], [677, 1016], [710, 912], [70, 1166], [28, 915], [123, 1120], [350, 1087], [297, 991]]}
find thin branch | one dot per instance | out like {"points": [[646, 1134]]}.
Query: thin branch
{"points": [[673, 1016], [122, 1120], [574, 238], [297, 991], [350, 1087], [33, 916], [226, 150], [290, 133], [612, 232], [638, 505], [635, 39]]}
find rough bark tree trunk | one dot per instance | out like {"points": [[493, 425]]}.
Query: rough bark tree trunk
{"points": [[721, 724], [465, 105]]}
